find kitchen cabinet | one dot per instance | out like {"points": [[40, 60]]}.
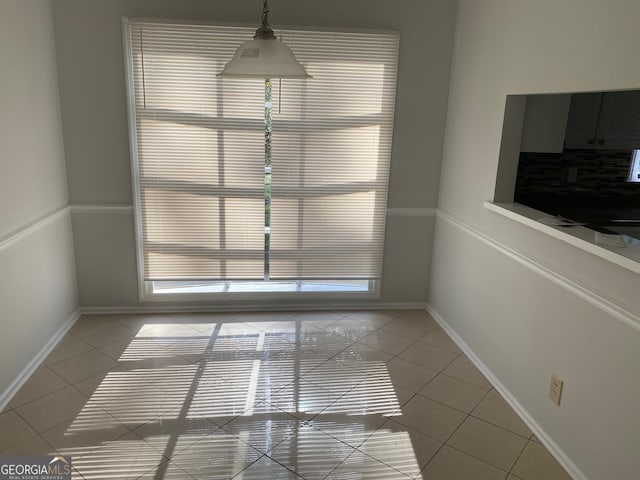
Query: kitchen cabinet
{"points": [[545, 121], [604, 120]]}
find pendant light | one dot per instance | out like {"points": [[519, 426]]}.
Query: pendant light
{"points": [[264, 56]]}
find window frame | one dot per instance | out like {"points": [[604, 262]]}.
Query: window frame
{"points": [[634, 168], [145, 287]]}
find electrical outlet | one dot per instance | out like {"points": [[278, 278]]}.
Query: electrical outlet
{"points": [[555, 390]]}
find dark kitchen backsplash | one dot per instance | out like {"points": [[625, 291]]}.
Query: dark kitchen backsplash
{"points": [[601, 178]]}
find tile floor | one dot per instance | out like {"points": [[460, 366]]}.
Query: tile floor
{"points": [[316, 395]]}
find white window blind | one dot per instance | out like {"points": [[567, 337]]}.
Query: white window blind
{"points": [[199, 149]]}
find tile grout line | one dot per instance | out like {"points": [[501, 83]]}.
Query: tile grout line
{"points": [[518, 458], [43, 395], [479, 459], [91, 347], [405, 403], [326, 358], [446, 442]]}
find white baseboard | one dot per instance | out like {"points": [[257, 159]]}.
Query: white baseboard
{"points": [[36, 361], [570, 467], [158, 309]]}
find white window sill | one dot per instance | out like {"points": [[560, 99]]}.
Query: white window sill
{"points": [[260, 291], [578, 236]]}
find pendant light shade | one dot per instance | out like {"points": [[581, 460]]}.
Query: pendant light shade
{"points": [[264, 56]]}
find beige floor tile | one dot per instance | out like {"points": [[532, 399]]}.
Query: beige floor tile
{"points": [[303, 399], [430, 418], [69, 346], [223, 327], [267, 468], [217, 455], [266, 431], [439, 338], [318, 319], [53, 409], [87, 322], [311, 453], [350, 429], [536, 463], [415, 313], [453, 392], [364, 357], [136, 349], [34, 447], [376, 395], [400, 447], [126, 458], [450, 464], [136, 322], [361, 466], [14, 430], [411, 326], [403, 394], [166, 471], [270, 379], [42, 382], [154, 364], [83, 366], [217, 406], [131, 398], [229, 347], [78, 439], [91, 384], [175, 331], [145, 348], [428, 356], [390, 342], [335, 377], [175, 443], [487, 442], [324, 343], [377, 318], [462, 369], [291, 364], [494, 409], [409, 375], [351, 328], [289, 330], [104, 334]]}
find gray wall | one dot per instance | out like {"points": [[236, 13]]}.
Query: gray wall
{"points": [[37, 271], [529, 305], [92, 86]]}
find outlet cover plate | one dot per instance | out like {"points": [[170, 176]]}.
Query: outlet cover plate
{"points": [[555, 390]]}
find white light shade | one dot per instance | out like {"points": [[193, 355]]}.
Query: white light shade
{"points": [[264, 58]]}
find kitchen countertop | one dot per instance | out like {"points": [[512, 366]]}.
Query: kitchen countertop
{"points": [[578, 236], [603, 212]]}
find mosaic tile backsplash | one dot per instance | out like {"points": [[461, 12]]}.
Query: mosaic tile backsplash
{"points": [[601, 178]]}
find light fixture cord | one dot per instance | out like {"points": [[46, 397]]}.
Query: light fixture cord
{"points": [[265, 31], [265, 15]]}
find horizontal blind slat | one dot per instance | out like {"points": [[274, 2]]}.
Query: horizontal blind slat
{"points": [[201, 155]]}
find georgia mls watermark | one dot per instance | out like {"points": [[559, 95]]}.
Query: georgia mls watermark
{"points": [[35, 468]]}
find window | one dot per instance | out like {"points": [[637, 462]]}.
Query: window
{"points": [[634, 170], [215, 210]]}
